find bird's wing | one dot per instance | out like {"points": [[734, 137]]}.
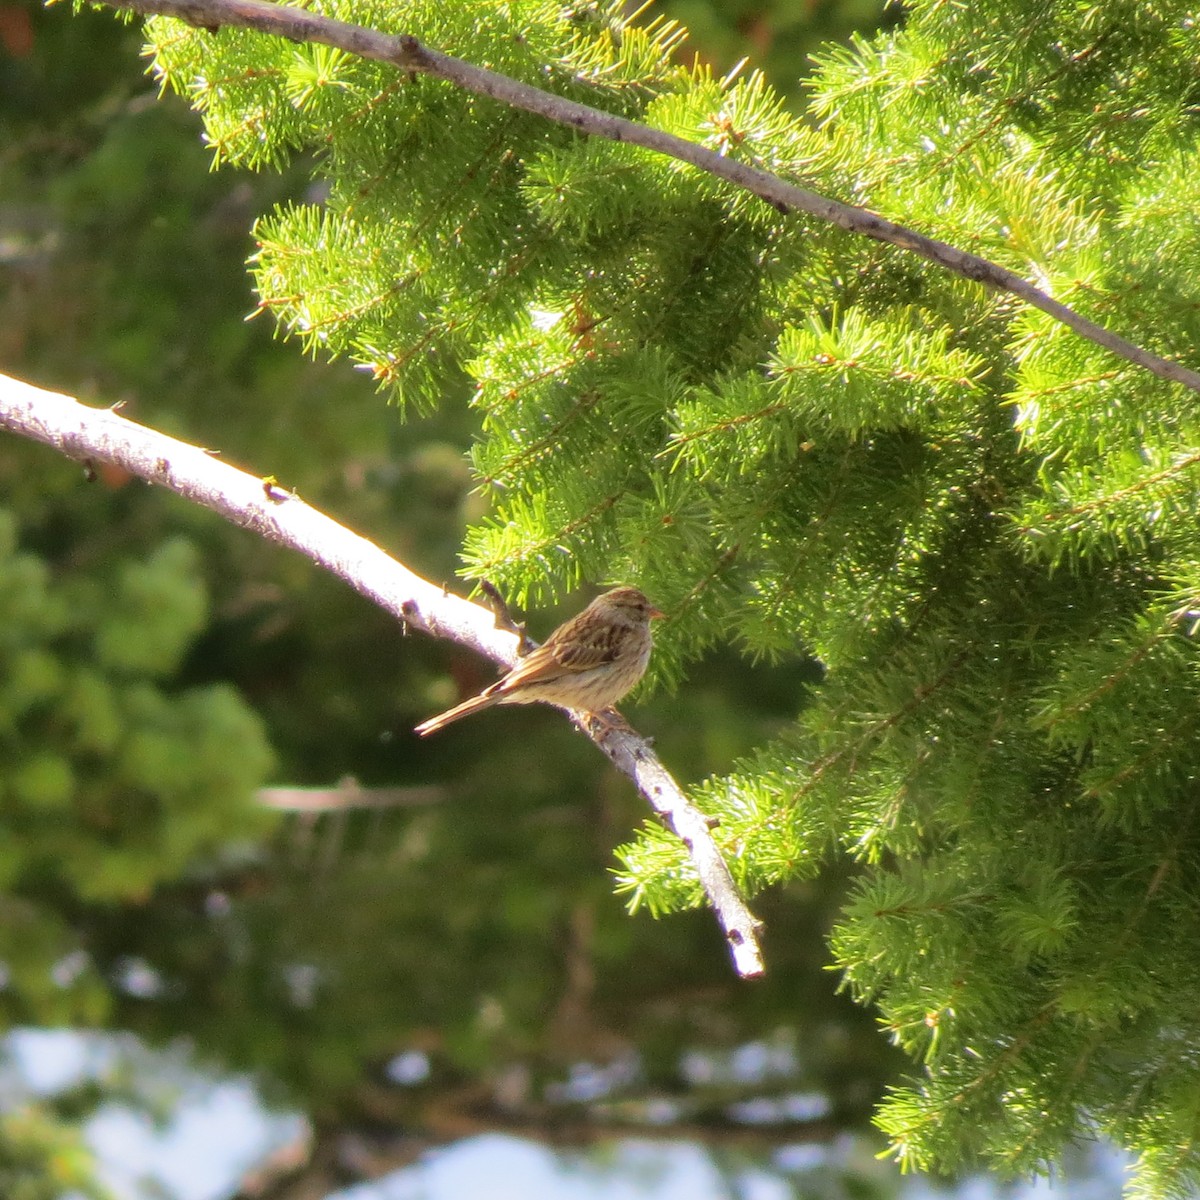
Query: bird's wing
{"points": [[568, 651]]}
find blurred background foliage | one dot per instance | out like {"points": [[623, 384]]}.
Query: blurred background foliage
{"points": [[158, 668]]}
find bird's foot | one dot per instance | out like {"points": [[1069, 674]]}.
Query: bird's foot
{"points": [[608, 720]]}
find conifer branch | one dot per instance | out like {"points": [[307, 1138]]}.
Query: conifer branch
{"points": [[408, 54], [91, 435]]}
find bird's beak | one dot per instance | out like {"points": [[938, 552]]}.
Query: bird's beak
{"points": [[655, 613]]}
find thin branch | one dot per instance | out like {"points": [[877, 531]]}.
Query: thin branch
{"points": [[505, 619], [347, 794], [91, 435], [632, 756], [408, 54]]}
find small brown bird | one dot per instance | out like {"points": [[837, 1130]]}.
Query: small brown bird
{"points": [[587, 663]]}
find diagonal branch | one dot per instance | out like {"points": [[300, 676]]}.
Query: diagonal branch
{"points": [[101, 435], [408, 54]]}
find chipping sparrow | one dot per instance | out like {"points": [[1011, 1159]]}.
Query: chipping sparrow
{"points": [[587, 663]]}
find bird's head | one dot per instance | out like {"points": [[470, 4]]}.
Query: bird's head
{"points": [[629, 602]]}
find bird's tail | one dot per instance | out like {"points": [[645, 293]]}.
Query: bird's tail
{"points": [[465, 709]]}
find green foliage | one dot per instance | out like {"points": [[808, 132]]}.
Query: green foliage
{"points": [[982, 527], [44, 1157], [110, 781]]}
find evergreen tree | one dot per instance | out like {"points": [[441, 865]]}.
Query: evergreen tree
{"points": [[479, 926], [982, 527]]}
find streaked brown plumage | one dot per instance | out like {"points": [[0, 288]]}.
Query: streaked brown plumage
{"points": [[587, 663]]}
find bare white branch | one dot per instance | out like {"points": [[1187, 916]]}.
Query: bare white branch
{"points": [[93, 435]]}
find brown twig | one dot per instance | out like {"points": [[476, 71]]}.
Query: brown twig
{"points": [[408, 54], [256, 503], [505, 619]]}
